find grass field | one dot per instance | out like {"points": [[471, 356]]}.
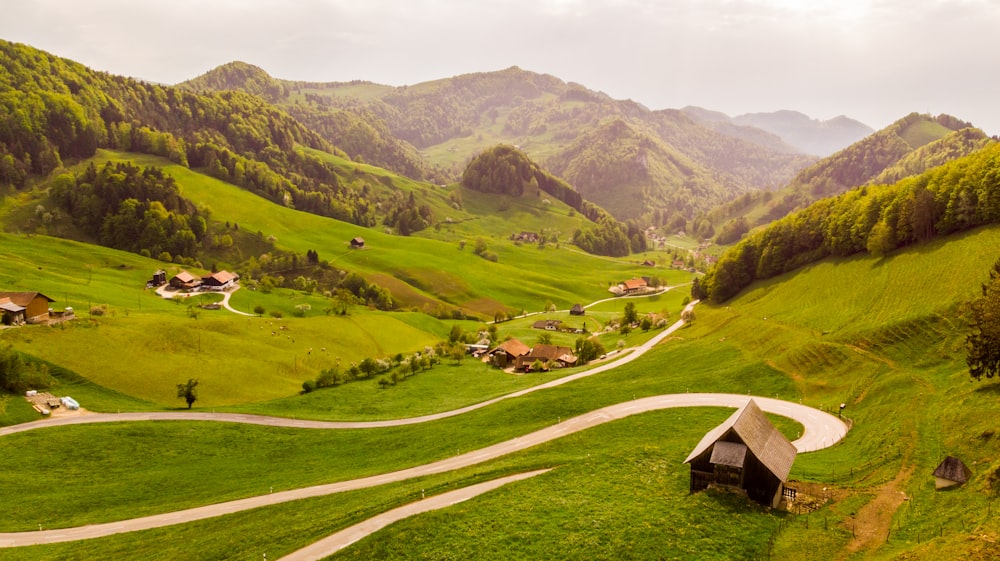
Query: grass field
{"points": [[883, 336], [523, 278]]}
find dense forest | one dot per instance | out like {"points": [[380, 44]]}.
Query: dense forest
{"points": [[53, 109], [361, 133], [959, 195]]}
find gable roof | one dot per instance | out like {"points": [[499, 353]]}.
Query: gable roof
{"points": [[576, 308], [6, 304], [761, 438], [549, 352], [184, 276], [221, 277], [634, 283], [514, 348], [953, 469], [23, 298]]}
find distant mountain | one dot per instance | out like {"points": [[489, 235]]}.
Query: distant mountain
{"points": [[453, 119], [811, 136], [364, 136], [795, 131]]}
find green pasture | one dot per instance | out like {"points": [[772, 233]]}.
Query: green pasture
{"points": [[638, 471], [883, 336], [524, 277], [236, 359]]}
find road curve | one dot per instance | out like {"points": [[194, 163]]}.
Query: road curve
{"points": [[307, 424], [820, 430], [335, 542]]}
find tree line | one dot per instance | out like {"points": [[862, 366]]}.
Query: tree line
{"points": [[957, 196]]}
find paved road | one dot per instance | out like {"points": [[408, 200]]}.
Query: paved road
{"points": [[305, 424], [332, 544], [820, 431]]}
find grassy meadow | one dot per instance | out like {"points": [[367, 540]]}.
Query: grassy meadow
{"points": [[884, 337]]}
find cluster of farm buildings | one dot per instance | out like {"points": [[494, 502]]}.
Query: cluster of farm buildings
{"points": [[221, 280]]}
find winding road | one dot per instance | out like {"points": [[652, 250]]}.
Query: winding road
{"points": [[820, 430]]}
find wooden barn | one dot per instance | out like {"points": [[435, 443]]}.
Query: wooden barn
{"points": [[21, 307], [357, 243], [184, 281], [952, 472], [221, 280], [745, 452], [577, 310]]}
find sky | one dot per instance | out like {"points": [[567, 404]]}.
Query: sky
{"points": [[871, 60]]}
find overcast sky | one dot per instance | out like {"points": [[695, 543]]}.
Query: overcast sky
{"points": [[874, 61]]}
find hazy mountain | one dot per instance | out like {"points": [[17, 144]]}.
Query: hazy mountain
{"points": [[810, 136]]}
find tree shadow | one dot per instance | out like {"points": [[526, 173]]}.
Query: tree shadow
{"points": [[990, 387]]}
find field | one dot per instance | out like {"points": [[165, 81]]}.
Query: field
{"points": [[884, 337]]}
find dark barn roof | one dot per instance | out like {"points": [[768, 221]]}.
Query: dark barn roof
{"points": [[761, 438], [953, 469]]}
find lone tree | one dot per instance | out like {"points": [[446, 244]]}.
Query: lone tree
{"points": [[984, 341], [631, 316], [188, 392]]}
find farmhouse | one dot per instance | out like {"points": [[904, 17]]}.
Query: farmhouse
{"points": [[24, 307], [526, 237], [508, 352], [547, 324], [577, 310], [745, 452], [221, 280], [547, 355], [357, 243], [952, 472], [184, 281], [633, 286]]}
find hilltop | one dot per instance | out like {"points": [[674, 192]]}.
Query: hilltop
{"points": [[452, 119]]}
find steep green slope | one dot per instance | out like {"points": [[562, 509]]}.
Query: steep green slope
{"points": [[957, 196], [362, 135], [907, 147]]}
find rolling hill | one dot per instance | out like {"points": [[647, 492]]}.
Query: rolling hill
{"points": [[451, 120]]}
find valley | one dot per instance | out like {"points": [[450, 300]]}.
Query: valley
{"points": [[390, 240]]}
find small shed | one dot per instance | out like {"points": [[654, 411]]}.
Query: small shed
{"points": [[951, 473], [11, 313], [745, 452], [358, 243], [577, 310]]}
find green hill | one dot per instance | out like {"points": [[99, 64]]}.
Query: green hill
{"points": [[452, 119], [907, 147]]}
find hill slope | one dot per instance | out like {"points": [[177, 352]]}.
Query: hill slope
{"points": [[453, 119], [907, 147]]}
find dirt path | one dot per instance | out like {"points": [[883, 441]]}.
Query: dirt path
{"points": [[873, 522]]}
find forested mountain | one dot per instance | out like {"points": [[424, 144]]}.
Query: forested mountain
{"points": [[907, 147], [362, 134], [453, 119], [959, 195], [53, 109]]}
